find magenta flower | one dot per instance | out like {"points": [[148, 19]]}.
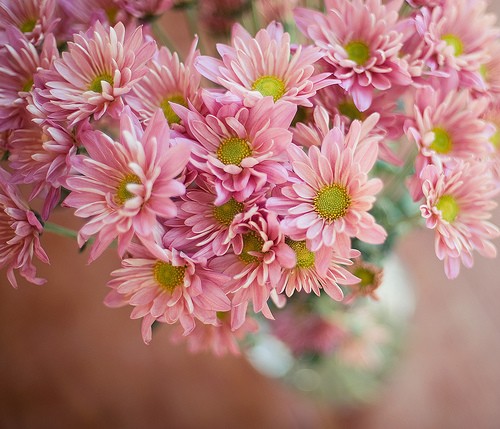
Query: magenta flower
{"points": [[96, 71], [361, 42], [458, 202], [20, 232], [242, 148], [20, 61], [247, 71], [328, 202], [167, 286], [126, 186]]}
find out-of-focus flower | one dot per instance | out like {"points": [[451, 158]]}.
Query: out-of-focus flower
{"points": [[146, 9], [370, 278], [19, 234], [218, 16], [458, 202]]}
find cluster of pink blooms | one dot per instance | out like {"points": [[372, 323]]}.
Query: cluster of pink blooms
{"points": [[225, 201]]}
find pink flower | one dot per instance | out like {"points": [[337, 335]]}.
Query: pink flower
{"points": [[242, 148], [146, 9], [96, 71], [167, 286], [20, 232], [328, 202], [167, 81], [253, 68], [35, 18], [369, 279], [457, 204], [20, 60], [125, 186], [361, 42]]}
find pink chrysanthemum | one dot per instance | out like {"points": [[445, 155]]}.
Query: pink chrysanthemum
{"points": [[40, 156], [20, 60], [242, 148], [328, 202], [167, 286], [361, 42], [458, 202], [247, 72], [369, 279], [146, 9], [124, 186], [490, 72], [257, 267], [35, 18], [96, 71], [19, 234], [315, 271], [167, 81]]}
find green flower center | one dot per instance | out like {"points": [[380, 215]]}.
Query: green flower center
{"points": [[270, 85], [483, 71], [455, 42], [366, 276], [332, 202], [357, 51], [168, 276], [96, 84], [122, 193], [305, 258], [28, 25], [169, 113], [495, 140], [252, 242], [448, 206], [27, 86], [233, 150], [227, 211], [349, 109], [442, 141]]}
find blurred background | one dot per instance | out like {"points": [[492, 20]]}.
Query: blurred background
{"points": [[68, 361]]}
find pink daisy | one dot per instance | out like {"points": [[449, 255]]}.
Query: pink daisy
{"points": [[369, 279], [457, 204], [96, 71], [253, 68], [124, 186], [167, 81], [35, 18], [328, 202], [20, 232], [361, 42], [242, 148], [167, 286], [146, 9], [20, 60]]}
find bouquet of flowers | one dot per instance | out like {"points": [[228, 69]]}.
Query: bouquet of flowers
{"points": [[274, 187]]}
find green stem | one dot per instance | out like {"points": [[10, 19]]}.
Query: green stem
{"points": [[60, 230]]}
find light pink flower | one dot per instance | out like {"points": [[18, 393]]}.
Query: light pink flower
{"points": [[125, 186], [242, 148], [167, 286], [253, 68], [490, 72], [35, 18], [19, 61], [167, 81], [328, 202], [361, 42], [20, 232], [458, 202], [146, 9], [369, 279], [96, 71], [256, 268]]}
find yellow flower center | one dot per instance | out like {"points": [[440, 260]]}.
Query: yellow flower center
{"points": [[442, 141], [168, 276], [227, 211], [455, 42], [349, 109], [305, 258], [122, 193], [169, 113], [495, 140], [28, 25], [270, 86], [332, 202], [358, 51], [233, 150], [252, 242], [366, 276], [96, 84], [449, 208]]}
